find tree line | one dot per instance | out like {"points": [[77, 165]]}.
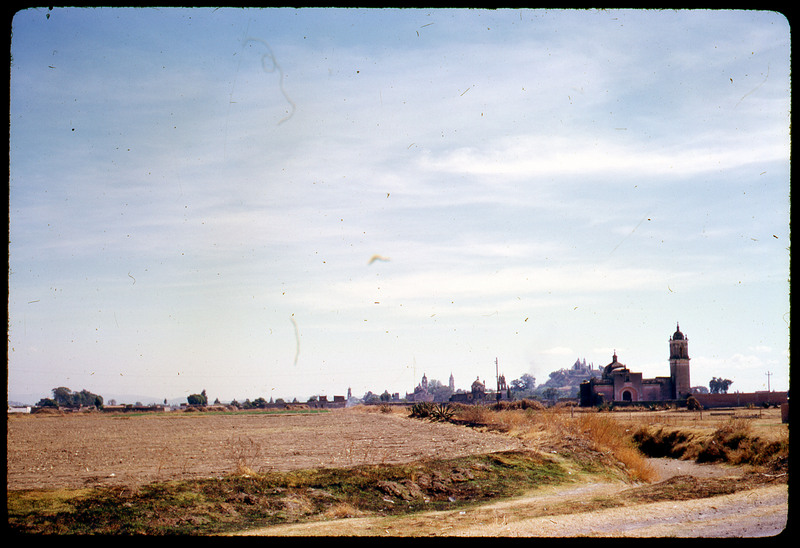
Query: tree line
{"points": [[64, 397]]}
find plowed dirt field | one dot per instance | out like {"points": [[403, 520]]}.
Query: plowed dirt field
{"points": [[51, 452]]}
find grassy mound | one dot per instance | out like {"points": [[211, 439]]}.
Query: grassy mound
{"points": [[238, 502]]}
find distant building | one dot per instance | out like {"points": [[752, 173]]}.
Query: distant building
{"points": [[477, 394], [478, 389], [619, 384], [19, 408], [567, 381], [421, 392]]}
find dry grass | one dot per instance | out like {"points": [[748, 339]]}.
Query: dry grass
{"points": [[560, 428], [342, 510], [244, 452]]}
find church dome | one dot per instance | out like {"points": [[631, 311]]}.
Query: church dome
{"points": [[678, 336], [613, 366]]}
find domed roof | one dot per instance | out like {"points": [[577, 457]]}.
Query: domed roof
{"points": [[613, 366], [677, 336]]}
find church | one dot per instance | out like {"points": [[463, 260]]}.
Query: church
{"points": [[619, 384]]}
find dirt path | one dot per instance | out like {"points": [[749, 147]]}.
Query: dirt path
{"points": [[758, 512], [755, 513]]}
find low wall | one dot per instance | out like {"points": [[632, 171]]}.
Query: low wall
{"points": [[742, 399]]}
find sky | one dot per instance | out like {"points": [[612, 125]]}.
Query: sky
{"points": [[284, 203]]}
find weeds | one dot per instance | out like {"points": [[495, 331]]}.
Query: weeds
{"points": [[244, 453]]}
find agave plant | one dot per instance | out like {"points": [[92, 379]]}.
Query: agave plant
{"points": [[442, 412]]}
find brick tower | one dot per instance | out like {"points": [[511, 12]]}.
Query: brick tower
{"points": [[679, 364]]}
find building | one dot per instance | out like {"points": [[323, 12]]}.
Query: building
{"points": [[619, 384], [477, 394], [421, 392], [567, 382]]}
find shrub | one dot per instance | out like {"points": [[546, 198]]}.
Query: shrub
{"points": [[518, 404], [421, 410], [692, 404]]}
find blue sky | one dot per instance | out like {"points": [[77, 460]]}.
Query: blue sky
{"points": [[196, 196]]}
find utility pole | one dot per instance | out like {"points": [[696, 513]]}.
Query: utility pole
{"points": [[497, 377]]}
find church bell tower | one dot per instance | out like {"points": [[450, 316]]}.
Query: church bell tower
{"points": [[679, 364]]}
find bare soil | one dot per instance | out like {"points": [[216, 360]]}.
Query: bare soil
{"points": [[73, 451]]}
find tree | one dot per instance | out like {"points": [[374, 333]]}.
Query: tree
{"points": [[64, 397], [523, 387], [551, 393], [719, 386], [197, 399]]}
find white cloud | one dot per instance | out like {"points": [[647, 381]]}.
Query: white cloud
{"points": [[529, 156], [559, 351]]}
